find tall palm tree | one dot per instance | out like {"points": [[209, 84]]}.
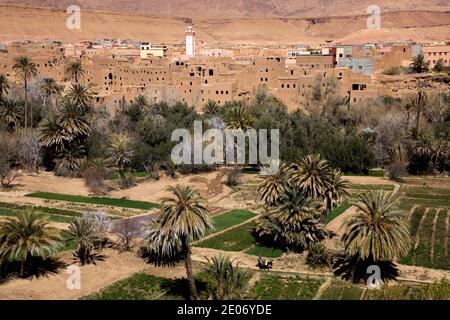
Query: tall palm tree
{"points": [[25, 236], [183, 218], [273, 186], [83, 232], [239, 117], [377, 231], [11, 113], [75, 69], [52, 134], [49, 87], [81, 96], [27, 70], [419, 101], [4, 86], [312, 174], [74, 120]]}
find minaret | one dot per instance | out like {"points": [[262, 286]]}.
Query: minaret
{"points": [[190, 42]]}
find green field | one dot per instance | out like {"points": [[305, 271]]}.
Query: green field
{"points": [[240, 239], [340, 290], [123, 203], [337, 211], [51, 214], [231, 218], [271, 287], [139, 286]]}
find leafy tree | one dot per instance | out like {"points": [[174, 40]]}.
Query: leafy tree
{"points": [[183, 218], [27, 70], [26, 236], [439, 66]]}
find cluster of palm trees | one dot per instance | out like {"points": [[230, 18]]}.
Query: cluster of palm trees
{"points": [[27, 237], [297, 199]]}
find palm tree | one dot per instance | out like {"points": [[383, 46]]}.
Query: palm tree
{"points": [[52, 134], [183, 218], [4, 86], [25, 236], [273, 186], [83, 232], [80, 95], [337, 189], [312, 174], [141, 101], [74, 121], [293, 224], [49, 87], [239, 117], [377, 231], [11, 113], [419, 64], [75, 69], [230, 282], [212, 107], [419, 101], [27, 69], [120, 153]]}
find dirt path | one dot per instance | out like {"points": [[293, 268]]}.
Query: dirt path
{"points": [[322, 288], [93, 278]]}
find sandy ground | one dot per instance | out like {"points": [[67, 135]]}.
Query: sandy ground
{"points": [[38, 24]]}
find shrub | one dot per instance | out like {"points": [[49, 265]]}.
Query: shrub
{"points": [[233, 175], [394, 71], [318, 256], [377, 172], [397, 170]]}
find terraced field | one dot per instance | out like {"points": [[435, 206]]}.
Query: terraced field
{"points": [[428, 211]]}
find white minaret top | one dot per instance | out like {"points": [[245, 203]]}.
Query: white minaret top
{"points": [[190, 42]]}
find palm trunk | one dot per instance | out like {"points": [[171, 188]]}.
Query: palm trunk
{"points": [[189, 272], [26, 104]]}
